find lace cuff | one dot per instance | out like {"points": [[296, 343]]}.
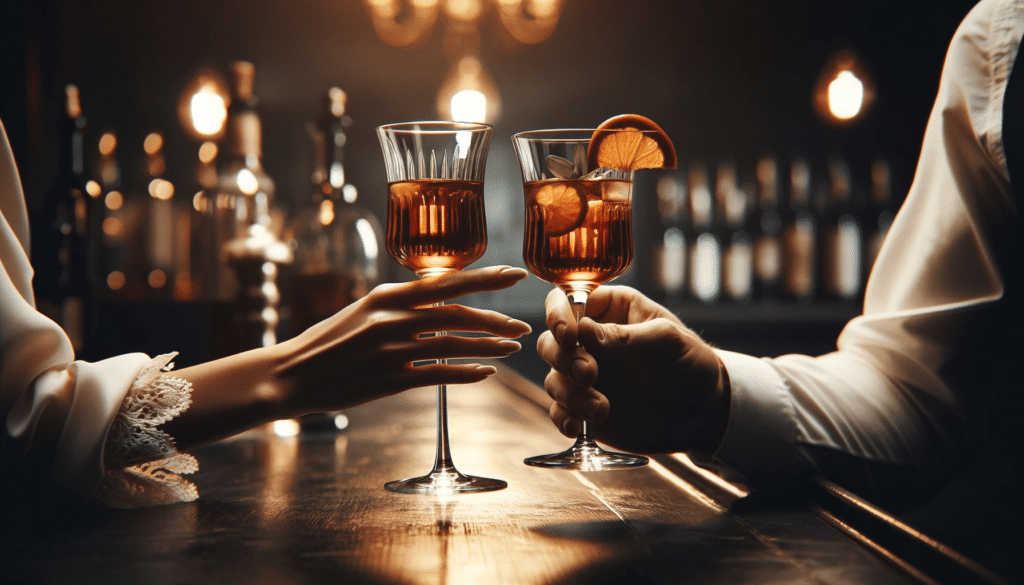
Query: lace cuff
{"points": [[142, 463]]}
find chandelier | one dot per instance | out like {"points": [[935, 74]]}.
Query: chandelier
{"points": [[468, 93]]}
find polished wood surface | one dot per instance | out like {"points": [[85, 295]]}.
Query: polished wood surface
{"points": [[312, 509]]}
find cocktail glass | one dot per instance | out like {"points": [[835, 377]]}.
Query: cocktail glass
{"points": [[435, 173], [578, 235]]}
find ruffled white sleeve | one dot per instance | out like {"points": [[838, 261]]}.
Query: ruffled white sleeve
{"points": [[88, 428], [143, 467]]}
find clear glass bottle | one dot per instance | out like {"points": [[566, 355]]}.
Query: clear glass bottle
{"points": [[842, 246], [738, 245], [240, 206], [670, 249], [337, 242], [705, 249], [799, 236]]}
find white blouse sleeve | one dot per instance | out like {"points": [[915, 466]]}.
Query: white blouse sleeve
{"points": [[61, 411], [889, 393]]}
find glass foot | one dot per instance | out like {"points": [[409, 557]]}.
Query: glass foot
{"points": [[443, 482], [587, 456]]}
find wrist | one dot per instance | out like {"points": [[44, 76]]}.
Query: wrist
{"points": [[714, 416]]}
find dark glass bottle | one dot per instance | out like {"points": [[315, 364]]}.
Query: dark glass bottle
{"points": [[768, 238], [63, 283], [799, 236], [337, 241]]}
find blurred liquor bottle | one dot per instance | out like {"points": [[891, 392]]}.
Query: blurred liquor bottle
{"points": [[670, 248], [245, 223], [63, 282], [799, 235], [842, 247], [731, 225], [705, 251], [768, 230], [881, 211], [337, 241], [244, 191]]}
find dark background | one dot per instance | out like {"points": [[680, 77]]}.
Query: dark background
{"points": [[723, 77]]}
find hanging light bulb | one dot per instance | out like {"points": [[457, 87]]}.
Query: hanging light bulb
{"points": [[844, 90], [468, 94]]}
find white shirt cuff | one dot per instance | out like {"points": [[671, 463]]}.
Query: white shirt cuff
{"points": [[760, 434]]}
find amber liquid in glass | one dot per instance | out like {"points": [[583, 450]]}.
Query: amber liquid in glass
{"points": [[436, 224], [596, 250]]}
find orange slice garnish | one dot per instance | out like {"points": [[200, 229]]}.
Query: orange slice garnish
{"points": [[630, 142], [564, 207]]}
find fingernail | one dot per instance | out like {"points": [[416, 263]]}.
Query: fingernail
{"points": [[599, 333], [509, 346], [512, 270], [579, 369], [560, 332], [591, 407], [521, 325], [487, 370]]}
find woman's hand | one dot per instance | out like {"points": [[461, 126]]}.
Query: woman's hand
{"points": [[367, 350], [363, 352], [647, 381]]}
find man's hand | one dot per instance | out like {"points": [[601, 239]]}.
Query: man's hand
{"points": [[642, 378]]}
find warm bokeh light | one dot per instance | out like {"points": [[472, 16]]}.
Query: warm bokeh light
{"points": [[114, 200], [116, 280], [199, 202], [845, 95], [113, 226], [844, 90], [207, 152], [208, 110], [161, 189], [247, 182], [93, 189], [153, 144], [469, 94], [108, 142], [465, 10], [285, 428], [203, 103], [326, 215], [157, 278]]}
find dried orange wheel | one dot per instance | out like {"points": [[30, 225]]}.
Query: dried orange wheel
{"points": [[563, 206], [629, 142]]}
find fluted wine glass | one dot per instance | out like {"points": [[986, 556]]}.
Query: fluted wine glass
{"points": [[435, 173], [578, 234]]}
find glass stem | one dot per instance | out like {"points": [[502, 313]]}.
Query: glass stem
{"points": [[578, 304], [443, 458]]}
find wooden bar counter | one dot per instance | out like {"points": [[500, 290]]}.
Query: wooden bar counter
{"points": [[313, 509]]}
